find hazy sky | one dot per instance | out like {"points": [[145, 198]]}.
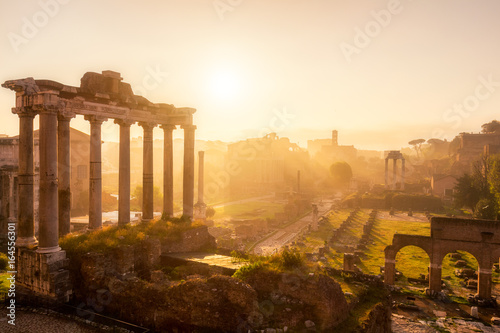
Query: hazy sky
{"points": [[380, 72]]}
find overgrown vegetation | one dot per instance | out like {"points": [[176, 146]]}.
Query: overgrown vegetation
{"points": [[286, 260], [112, 237]]}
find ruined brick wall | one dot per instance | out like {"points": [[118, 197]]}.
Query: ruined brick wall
{"points": [[190, 241]]}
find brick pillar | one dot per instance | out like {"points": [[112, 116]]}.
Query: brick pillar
{"points": [[168, 170], [95, 180], [64, 172], [188, 176], [25, 217], [434, 277], [389, 270], [484, 283], [147, 172]]}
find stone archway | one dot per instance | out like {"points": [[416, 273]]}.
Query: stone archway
{"points": [[481, 238]]}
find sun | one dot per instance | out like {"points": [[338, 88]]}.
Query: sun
{"points": [[225, 85]]}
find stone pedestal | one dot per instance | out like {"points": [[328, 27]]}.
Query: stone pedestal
{"points": [[349, 262], [44, 274]]}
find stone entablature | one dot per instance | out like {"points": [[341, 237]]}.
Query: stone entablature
{"points": [[99, 95]]}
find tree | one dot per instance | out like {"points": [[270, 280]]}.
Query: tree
{"points": [[417, 144], [491, 127], [341, 173], [136, 201], [466, 193], [478, 191]]}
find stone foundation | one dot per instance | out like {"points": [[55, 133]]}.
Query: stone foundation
{"points": [[44, 274]]}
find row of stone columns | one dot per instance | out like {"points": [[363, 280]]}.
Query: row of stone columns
{"points": [[55, 170]]}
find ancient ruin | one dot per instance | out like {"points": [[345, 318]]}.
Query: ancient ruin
{"points": [[394, 155], [481, 238], [100, 97]]}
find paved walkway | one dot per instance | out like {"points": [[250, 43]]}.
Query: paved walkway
{"points": [[288, 233], [41, 322]]}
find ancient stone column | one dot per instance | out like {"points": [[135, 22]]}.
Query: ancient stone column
{"points": [[403, 173], [201, 162], [394, 179], [64, 172], [168, 170], [48, 202], [147, 172], [26, 222], [386, 173], [95, 180], [200, 209], [124, 172], [188, 176]]}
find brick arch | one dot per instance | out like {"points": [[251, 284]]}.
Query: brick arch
{"points": [[400, 241]]}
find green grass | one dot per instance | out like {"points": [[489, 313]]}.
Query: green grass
{"points": [[411, 260]]}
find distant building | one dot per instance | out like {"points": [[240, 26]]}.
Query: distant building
{"points": [[472, 145], [330, 148], [443, 186], [263, 165]]}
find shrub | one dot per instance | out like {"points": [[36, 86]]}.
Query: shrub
{"points": [[4, 261]]}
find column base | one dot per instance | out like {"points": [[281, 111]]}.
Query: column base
{"points": [[48, 249], [44, 274], [28, 242]]}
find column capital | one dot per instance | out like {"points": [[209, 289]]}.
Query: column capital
{"points": [[147, 125], [24, 112], [124, 122], [168, 127], [65, 115], [188, 127], [95, 118]]}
